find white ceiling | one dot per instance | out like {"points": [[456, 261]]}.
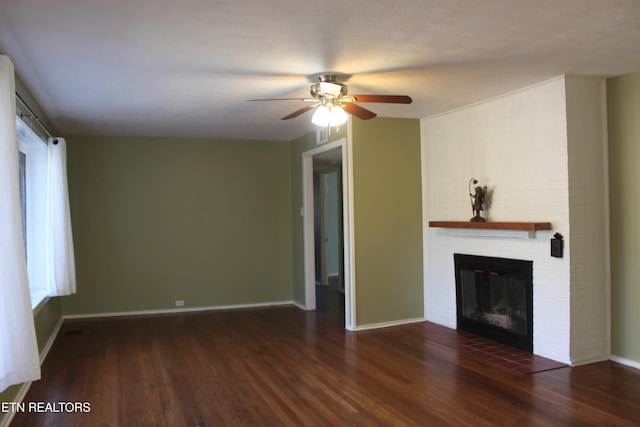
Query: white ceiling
{"points": [[186, 68]]}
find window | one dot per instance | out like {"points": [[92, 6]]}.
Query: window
{"points": [[33, 192]]}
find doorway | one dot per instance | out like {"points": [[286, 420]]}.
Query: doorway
{"points": [[327, 228], [328, 240], [327, 214]]}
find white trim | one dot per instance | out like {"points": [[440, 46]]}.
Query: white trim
{"points": [[298, 305], [607, 209], [179, 310], [307, 209], [50, 341], [425, 220], [349, 230], [626, 362], [387, 324], [44, 299], [587, 360], [308, 226]]}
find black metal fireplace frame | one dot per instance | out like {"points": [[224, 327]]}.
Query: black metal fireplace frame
{"points": [[483, 265]]}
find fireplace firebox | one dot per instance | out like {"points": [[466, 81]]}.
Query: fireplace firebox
{"points": [[494, 298]]}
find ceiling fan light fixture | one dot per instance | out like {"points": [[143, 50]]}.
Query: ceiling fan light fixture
{"points": [[333, 106], [337, 116], [321, 116], [328, 89], [329, 116]]}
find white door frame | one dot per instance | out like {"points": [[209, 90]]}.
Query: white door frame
{"points": [[309, 239]]}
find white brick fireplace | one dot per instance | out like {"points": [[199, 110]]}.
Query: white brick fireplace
{"points": [[542, 152]]}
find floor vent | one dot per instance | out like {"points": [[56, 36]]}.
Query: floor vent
{"points": [[74, 332]]}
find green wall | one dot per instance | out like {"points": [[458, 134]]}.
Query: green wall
{"points": [[160, 219], [387, 220], [623, 104]]}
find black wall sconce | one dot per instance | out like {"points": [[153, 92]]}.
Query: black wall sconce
{"points": [[557, 245]]}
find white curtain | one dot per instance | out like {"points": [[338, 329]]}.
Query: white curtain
{"points": [[61, 272], [19, 359]]}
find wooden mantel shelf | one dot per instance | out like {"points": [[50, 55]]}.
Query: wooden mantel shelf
{"points": [[523, 226]]}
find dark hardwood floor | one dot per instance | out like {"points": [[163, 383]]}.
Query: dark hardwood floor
{"points": [[283, 366]]}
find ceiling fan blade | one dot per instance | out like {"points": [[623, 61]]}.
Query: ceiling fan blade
{"points": [[284, 99], [299, 112], [358, 111], [386, 99]]}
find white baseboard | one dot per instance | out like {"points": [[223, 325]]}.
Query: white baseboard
{"points": [[386, 324], [589, 360], [178, 310], [627, 362], [50, 341], [300, 306]]}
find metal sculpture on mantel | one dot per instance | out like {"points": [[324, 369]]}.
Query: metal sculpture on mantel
{"points": [[477, 200]]}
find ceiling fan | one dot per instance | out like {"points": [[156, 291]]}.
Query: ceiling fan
{"points": [[332, 102]]}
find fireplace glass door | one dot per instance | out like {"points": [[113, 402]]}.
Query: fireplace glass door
{"points": [[494, 299]]}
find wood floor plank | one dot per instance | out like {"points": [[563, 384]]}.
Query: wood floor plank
{"points": [[287, 367]]}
